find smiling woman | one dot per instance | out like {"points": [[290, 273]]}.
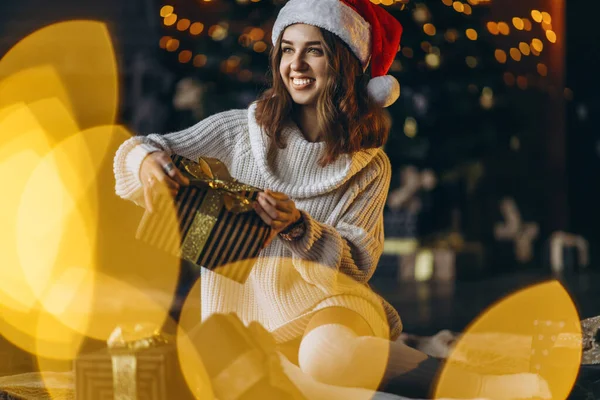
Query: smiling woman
{"points": [[313, 144], [323, 87], [303, 65]]}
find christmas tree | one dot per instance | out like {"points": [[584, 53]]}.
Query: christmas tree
{"points": [[464, 110]]}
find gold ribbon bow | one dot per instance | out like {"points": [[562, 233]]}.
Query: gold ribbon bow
{"points": [[122, 345], [214, 174]]}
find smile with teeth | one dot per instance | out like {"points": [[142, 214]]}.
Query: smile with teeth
{"points": [[301, 83]]}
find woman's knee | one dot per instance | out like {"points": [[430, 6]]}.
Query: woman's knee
{"points": [[325, 353], [336, 355]]}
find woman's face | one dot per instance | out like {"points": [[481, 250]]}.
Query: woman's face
{"points": [[303, 65]]}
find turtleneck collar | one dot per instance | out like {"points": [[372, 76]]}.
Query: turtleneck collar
{"points": [[295, 170]]}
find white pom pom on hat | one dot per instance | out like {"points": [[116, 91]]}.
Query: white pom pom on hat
{"points": [[370, 32], [384, 90]]}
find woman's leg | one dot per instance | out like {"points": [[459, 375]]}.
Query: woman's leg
{"points": [[339, 348]]}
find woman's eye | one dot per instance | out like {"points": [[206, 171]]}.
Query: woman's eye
{"points": [[314, 50], [286, 49]]}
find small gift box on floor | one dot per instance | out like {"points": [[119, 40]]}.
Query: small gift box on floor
{"points": [[242, 362], [425, 264], [211, 222], [140, 364]]}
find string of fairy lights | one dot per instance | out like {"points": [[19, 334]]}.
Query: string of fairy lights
{"points": [[538, 24]]}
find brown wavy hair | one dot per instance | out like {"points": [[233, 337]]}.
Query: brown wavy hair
{"points": [[346, 115]]}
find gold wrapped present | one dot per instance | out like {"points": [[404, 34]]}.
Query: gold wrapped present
{"points": [[242, 362], [217, 224], [137, 364]]}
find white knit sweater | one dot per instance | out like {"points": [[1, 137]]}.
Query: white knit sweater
{"points": [[341, 203]]}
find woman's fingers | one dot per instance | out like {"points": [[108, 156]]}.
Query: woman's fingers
{"points": [[179, 177], [148, 198], [263, 214], [269, 208], [281, 201], [286, 205]]}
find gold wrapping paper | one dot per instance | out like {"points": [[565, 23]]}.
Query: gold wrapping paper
{"points": [[218, 226]]}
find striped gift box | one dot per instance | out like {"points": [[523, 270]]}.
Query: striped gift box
{"points": [[205, 225]]}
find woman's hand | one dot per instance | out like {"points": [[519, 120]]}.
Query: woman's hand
{"points": [[159, 175], [277, 210]]}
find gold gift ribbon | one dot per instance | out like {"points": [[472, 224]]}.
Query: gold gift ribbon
{"points": [[121, 343], [213, 173], [204, 221]]}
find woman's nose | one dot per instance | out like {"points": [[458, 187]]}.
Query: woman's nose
{"points": [[298, 63]]}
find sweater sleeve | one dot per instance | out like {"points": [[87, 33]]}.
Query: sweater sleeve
{"points": [[211, 137], [354, 244]]}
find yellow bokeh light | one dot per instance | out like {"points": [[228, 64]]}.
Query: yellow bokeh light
{"points": [[18, 158], [448, 2], [429, 29], [190, 362], [546, 26], [170, 19], [185, 56], [172, 45], [163, 41], [503, 28], [196, 28], [518, 23], [515, 54], [183, 24], [524, 48], [25, 157], [500, 56], [451, 35], [542, 69], [551, 36], [536, 15], [433, 60], [458, 6], [165, 11], [471, 34], [505, 338], [200, 60], [260, 46], [256, 34], [537, 45], [54, 340], [61, 283], [467, 9], [217, 32], [493, 27], [527, 24], [546, 18], [91, 54]]}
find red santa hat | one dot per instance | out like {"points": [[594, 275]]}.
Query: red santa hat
{"points": [[371, 32]]}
